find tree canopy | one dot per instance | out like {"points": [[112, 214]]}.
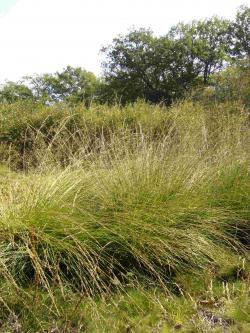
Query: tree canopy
{"points": [[72, 85], [14, 91], [240, 33], [141, 65]]}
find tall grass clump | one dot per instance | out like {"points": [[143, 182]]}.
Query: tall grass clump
{"points": [[146, 194], [66, 130]]}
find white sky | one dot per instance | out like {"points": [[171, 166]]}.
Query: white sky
{"points": [[43, 36]]}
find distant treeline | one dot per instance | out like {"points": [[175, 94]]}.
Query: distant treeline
{"points": [[140, 65]]}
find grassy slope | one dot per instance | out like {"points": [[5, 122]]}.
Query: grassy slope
{"points": [[131, 220]]}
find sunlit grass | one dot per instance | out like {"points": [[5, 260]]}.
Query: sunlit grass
{"points": [[105, 201]]}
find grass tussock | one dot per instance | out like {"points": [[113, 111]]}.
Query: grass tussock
{"points": [[95, 202]]}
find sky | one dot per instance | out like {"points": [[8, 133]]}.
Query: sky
{"points": [[44, 36]]}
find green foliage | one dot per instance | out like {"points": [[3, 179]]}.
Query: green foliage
{"points": [[229, 85], [163, 69], [140, 65], [12, 92], [234, 83], [206, 42], [73, 85], [240, 33]]}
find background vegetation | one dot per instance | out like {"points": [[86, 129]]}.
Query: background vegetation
{"points": [[141, 65]]}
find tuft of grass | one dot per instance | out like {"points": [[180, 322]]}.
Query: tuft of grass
{"points": [[109, 200]]}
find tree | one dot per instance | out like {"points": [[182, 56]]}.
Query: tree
{"points": [[73, 85], [127, 65], [206, 42], [240, 33], [12, 92], [140, 65]]}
